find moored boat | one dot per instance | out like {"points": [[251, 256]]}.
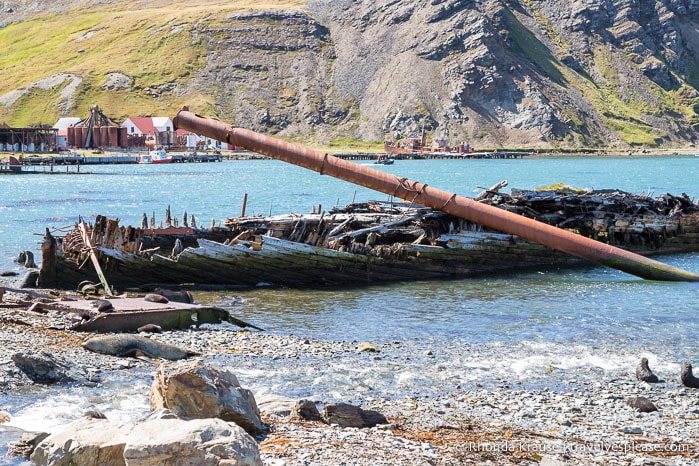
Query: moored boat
{"points": [[160, 156], [156, 156], [383, 160]]}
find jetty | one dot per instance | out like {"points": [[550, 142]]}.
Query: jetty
{"points": [[7, 168], [494, 154], [112, 159]]}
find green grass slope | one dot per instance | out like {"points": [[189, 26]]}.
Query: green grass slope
{"points": [[153, 47]]}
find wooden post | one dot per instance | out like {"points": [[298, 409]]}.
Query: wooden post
{"points": [[93, 257], [47, 273], [245, 203]]}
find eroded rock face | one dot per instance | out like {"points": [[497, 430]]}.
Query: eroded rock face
{"points": [[193, 390]]}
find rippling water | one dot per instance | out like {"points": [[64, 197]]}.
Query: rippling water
{"points": [[516, 326]]}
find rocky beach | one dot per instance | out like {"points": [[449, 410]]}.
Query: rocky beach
{"points": [[575, 417]]}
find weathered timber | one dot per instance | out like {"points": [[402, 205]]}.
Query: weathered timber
{"points": [[47, 277], [494, 190], [376, 242], [93, 257]]}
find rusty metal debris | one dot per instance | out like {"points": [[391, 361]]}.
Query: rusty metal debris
{"points": [[108, 313]]}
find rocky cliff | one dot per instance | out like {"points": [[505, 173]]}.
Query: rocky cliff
{"points": [[511, 73], [495, 73]]}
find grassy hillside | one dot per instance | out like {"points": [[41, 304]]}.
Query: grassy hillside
{"points": [[498, 75], [151, 46]]}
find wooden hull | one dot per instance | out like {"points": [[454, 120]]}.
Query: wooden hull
{"points": [[361, 246]]}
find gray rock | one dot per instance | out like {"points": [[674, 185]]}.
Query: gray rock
{"points": [[25, 446], [43, 367], [193, 390], [551, 461], [84, 441], [160, 439], [642, 404], [631, 430], [275, 404]]}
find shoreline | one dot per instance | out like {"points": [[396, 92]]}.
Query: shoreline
{"points": [[578, 420], [229, 155], [622, 153]]}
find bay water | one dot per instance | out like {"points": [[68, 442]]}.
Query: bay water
{"points": [[538, 328]]}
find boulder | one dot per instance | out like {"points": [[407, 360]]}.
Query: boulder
{"points": [[275, 405], [306, 410], [25, 446], [84, 441], [44, 367], [347, 415], [165, 439], [160, 438], [193, 390]]}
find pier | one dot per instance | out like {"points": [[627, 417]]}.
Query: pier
{"points": [[8, 169], [438, 155], [110, 159]]}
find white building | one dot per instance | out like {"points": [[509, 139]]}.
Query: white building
{"points": [[62, 126]]}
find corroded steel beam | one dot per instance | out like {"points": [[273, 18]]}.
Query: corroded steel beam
{"points": [[414, 191]]}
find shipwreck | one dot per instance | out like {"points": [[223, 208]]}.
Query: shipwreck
{"points": [[362, 243], [429, 234]]}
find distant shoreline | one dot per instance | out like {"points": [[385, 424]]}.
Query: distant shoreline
{"points": [[534, 153], [620, 153]]}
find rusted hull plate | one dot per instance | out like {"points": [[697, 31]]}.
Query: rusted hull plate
{"points": [[128, 314], [167, 319]]}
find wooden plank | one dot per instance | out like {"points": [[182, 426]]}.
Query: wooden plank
{"points": [[93, 257]]}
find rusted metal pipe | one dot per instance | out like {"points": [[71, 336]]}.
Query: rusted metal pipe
{"points": [[414, 191]]}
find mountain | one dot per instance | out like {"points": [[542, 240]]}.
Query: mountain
{"points": [[561, 74]]}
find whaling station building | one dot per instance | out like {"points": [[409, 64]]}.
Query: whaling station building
{"points": [[97, 131]]}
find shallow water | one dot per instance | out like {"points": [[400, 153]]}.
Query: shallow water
{"points": [[538, 329]]}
